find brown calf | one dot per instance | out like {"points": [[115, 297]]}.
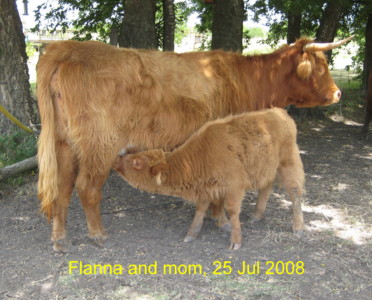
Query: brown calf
{"points": [[222, 160]]}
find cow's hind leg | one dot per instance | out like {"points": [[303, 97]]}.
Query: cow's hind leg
{"points": [[67, 175], [197, 222], [90, 192]]}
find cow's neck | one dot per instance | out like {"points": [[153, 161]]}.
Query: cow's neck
{"points": [[269, 72]]}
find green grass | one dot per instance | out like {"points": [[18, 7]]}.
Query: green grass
{"points": [[346, 79], [16, 146], [33, 89]]}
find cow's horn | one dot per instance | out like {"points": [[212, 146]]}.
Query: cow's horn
{"points": [[312, 47]]}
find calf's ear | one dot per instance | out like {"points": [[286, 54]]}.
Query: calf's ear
{"points": [[138, 163]]}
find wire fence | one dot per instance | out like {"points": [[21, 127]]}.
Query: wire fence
{"points": [[349, 82]]}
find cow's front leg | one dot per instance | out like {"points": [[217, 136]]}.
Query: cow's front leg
{"points": [[90, 192], [67, 175]]}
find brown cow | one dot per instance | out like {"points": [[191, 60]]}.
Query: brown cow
{"points": [[219, 162], [368, 116], [95, 99]]}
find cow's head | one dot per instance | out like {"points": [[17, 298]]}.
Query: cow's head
{"points": [[142, 170], [310, 82]]}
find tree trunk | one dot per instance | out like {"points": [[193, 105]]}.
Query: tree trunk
{"points": [[114, 36], [138, 29], [15, 93], [227, 27], [329, 24], [17, 168], [169, 25], [368, 51], [294, 27]]}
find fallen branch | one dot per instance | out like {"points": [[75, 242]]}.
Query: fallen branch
{"points": [[19, 167]]}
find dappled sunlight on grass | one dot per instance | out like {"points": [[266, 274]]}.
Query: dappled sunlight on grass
{"points": [[317, 129], [367, 156], [340, 222], [341, 187], [341, 119]]}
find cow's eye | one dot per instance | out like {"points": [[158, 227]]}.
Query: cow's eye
{"points": [[321, 70]]}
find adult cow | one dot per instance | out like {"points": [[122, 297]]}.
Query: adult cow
{"points": [[95, 99]]}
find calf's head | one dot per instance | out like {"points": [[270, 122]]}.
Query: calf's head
{"points": [[143, 170], [311, 83]]}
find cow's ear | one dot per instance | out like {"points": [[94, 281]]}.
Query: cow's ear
{"points": [[138, 163], [157, 171], [304, 68]]}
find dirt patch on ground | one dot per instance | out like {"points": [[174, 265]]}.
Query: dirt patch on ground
{"points": [[331, 261]]}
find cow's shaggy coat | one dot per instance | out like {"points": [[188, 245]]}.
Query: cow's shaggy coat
{"points": [[95, 99], [222, 160]]}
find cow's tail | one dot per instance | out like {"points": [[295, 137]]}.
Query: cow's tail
{"points": [[47, 157]]}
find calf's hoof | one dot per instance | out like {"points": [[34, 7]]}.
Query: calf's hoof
{"points": [[298, 233], [63, 245], [226, 227], [235, 246], [189, 238], [255, 220]]}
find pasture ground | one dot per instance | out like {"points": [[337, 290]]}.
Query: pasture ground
{"points": [[331, 261]]}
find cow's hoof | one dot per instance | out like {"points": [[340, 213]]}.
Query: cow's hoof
{"points": [[235, 246], [189, 238], [63, 245], [298, 233], [226, 227], [101, 241]]}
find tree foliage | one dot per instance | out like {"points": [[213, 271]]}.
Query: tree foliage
{"points": [[286, 19], [99, 18]]}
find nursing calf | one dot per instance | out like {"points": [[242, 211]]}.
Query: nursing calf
{"points": [[219, 162]]}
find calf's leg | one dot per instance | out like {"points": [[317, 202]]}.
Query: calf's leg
{"points": [[195, 227], [233, 207], [218, 212], [263, 197], [67, 170], [292, 176]]}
